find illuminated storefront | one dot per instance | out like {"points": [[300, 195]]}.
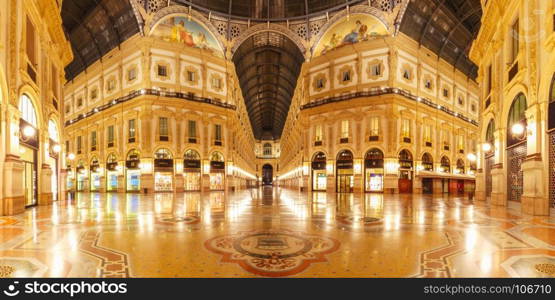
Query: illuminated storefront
{"points": [[345, 177], [319, 178], [191, 170], [133, 171], [405, 171], [111, 173], [28, 149], [81, 176], [217, 172], [163, 171], [95, 175], [373, 164]]}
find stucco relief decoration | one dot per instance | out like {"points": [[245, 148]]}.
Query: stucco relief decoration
{"points": [[186, 31], [195, 75], [407, 72], [350, 30]]}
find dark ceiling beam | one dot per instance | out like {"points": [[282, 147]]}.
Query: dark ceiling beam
{"points": [[425, 29], [255, 50], [458, 25], [266, 74]]}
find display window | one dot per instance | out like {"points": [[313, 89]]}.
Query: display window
{"points": [[95, 181], [133, 180], [112, 181], [319, 180], [216, 181], [192, 181], [163, 181], [374, 180]]}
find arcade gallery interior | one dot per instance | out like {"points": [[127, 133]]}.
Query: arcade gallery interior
{"points": [[268, 138]]}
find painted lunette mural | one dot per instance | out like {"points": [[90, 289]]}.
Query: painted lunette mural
{"points": [[350, 30], [184, 30]]}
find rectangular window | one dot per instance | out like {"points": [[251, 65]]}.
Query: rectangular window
{"points": [[445, 138], [460, 142], [111, 136], [346, 76], [514, 41], [427, 134], [68, 149], [31, 43], [489, 80], [79, 101], [218, 132], [374, 126], [216, 83], [405, 128], [94, 94], [318, 135], [131, 130], [192, 129], [163, 131], [162, 71], [190, 76], [344, 129], [376, 70], [446, 93], [131, 74], [93, 141], [79, 145], [68, 108]]}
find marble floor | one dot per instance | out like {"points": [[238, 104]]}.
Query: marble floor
{"points": [[275, 232]]}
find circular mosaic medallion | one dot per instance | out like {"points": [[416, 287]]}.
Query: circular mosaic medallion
{"points": [[6, 271], [272, 245], [273, 253], [548, 269]]}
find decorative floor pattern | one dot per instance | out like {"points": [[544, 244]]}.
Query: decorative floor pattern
{"points": [[273, 232]]}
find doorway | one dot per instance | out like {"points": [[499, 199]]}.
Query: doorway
{"points": [[345, 174], [267, 174]]}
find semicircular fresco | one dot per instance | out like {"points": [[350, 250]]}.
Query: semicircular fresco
{"points": [[350, 30], [185, 30]]}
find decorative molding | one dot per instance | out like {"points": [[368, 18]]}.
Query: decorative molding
{"points": [[295, 38]]}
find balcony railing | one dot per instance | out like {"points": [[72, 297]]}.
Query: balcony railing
{"points": [[151, 92], [386, 91]]}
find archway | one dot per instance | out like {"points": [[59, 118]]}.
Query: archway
{"points": [[217, 171], [29, 146], [191, 170], [319, 177], [345, 177], [373, 170], [489, 157], [267, 174], [516, 147], [405, 171], [163, 170], [133, 171]]}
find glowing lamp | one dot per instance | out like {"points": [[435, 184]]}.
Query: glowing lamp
{"points": [[471, 157], [71, 156], [486, 147], [56, 148], [29, 131], [517, 129]]}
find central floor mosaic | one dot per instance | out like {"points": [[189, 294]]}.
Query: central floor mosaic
{"points": [[274, 232]]}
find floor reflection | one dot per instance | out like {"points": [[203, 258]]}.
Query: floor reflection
{"points": [[169, 234]]}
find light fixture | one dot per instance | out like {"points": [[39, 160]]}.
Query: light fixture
{"points": [[471, 156], [29, 131], [56, 148], [517, 129], [71, 156], [486, 147]]}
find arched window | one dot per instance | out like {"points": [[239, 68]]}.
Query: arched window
{"points": [[53, 131], [516, 115], [111, 158], [267, 149], [191, 155], [217, 156], [345, 155], [427, 162], [445, 164], [133, 154], [489, 132], [27, 109], [163, 153]]}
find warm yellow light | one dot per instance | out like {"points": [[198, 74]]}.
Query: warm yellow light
{"points": [[517, 129], [71, 156], [471, 157], [486, 147], [56, 148], [29, 131]]}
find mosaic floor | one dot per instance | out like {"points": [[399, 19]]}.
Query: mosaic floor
{"points": [[275, 233]]}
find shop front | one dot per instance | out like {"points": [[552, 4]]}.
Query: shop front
{"points": [[428, 166], [319, 178], [373, 170], [345, 175], [95, 175], [112, 173], [29, 149], [405, 172], [192, 170], [217, 172], [133, 171], [81, 176], [163, 171]]}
